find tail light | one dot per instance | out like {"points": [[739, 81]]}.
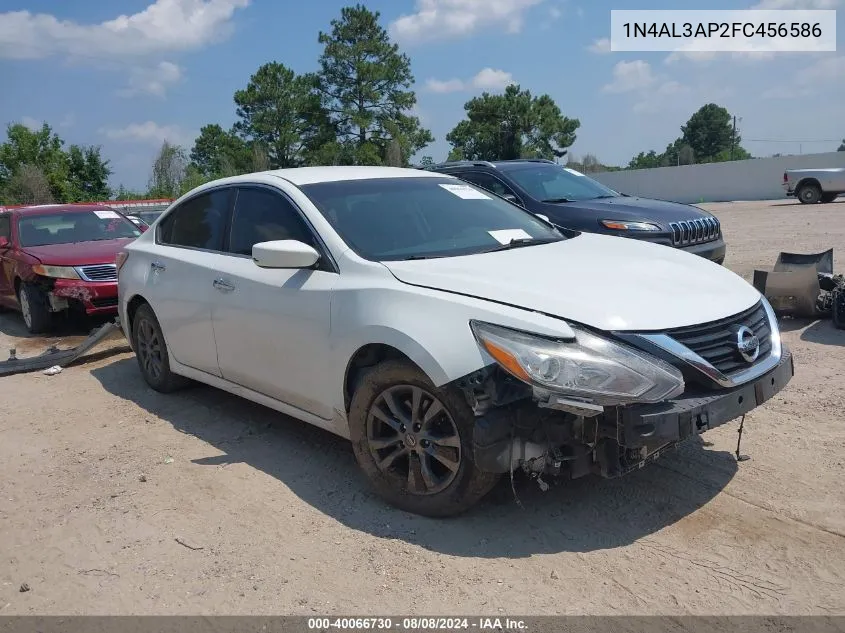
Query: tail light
{"points": [[120, 259]]}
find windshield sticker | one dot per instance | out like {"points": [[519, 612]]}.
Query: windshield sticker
{"points": [[106, 215], [505, 236], [573, 172], [466, 192]]}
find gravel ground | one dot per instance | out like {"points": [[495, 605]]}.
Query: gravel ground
{"points": [[117, 500]]}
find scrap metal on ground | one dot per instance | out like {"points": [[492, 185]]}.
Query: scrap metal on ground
{"points": [[803, 285], [62, 357]]}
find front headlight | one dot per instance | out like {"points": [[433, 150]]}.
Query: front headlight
{"points": [[590, 367], [57, 272], [620, 225]]}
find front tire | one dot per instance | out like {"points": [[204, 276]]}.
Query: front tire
{"points": [[151, 352], [35, 308], [414, 441], [809, 194]]}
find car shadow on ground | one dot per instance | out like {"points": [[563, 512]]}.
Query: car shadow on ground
{"points": [[821, 331], [585, 515], [63, 325]]}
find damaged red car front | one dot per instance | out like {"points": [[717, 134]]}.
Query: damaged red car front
{"points": [[55, 258]]}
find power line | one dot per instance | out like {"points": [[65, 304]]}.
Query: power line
{"points": [[777, 140]]}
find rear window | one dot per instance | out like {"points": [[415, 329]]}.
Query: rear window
{"points": [[69, 227]]}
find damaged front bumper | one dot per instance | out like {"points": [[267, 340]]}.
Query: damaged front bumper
{"points": [[567, 438], [94, 298]]}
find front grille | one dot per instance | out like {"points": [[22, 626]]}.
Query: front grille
{"points": [[715, 341], [104, 303], [99, 272], [698, 231]]}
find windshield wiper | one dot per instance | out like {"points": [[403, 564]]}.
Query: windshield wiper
{"points": [[605, 196], [523, 241], [556, 200]]}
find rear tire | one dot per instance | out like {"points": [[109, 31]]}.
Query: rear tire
{"points": [[35, 308], [828, 197], [809, 194], [414, 441], [151, 352]]}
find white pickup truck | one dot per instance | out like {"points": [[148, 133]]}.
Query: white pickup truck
{"points": [[814, 185]]}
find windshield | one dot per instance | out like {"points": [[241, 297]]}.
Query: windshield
{"points": [[67, 227], [556, 183], [418, 217]]}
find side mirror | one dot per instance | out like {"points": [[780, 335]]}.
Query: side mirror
{"points": [[4, 242], [284, 254], [543, 217], [512, 198]]}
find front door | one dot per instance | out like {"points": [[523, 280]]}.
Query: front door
{"points": [[272, 325]]}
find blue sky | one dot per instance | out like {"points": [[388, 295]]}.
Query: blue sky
{"points": [[127, 74]]}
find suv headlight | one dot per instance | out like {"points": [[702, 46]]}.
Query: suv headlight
{"points": [[590, 367], [621, 225]]}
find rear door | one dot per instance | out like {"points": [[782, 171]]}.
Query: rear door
{"points": [[183, 267], [7, 264], [272, 326]]}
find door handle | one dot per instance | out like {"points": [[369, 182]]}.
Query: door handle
{"points": [[223, 285], [157, 266]]}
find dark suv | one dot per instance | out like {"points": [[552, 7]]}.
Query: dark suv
{"points": [[570, 199]]}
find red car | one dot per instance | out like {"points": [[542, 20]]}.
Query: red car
{"points": [[61, 257]]}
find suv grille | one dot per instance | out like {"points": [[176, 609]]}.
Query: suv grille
{"points": [[695, 231], [714, 341], [100, 272]]}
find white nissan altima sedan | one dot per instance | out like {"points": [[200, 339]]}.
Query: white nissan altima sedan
{"points": [[449, 334]]}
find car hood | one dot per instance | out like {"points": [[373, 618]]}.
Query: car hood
{"points": [[79, 253], [610, 283], [634, 209]]}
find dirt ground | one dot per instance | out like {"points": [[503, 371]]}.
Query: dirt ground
{"points": [[117, 500]]}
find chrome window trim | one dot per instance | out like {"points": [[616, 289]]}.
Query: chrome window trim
{"points": [[682, 352]]}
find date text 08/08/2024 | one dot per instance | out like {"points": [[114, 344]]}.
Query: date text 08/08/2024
{"points": [[722, 29], [416, 624]]}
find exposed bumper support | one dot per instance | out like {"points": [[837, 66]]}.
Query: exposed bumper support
{"points": [[63, 358], [541, 440]]}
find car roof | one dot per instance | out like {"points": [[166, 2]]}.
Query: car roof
{"points": [[499, 165], [40, 209], [312, 175]]}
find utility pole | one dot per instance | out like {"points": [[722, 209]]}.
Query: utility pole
{"points": [[733, 139]]}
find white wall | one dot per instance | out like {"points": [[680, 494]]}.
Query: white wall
{"points": [[755, 179]]}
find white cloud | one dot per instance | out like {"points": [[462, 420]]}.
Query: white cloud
{"points": [[655, 100], [444, 87], [630, 76], [164, 26], [798, 4], [492, 79], [441, 19], [600, 46], [31, 123], [555, 13], [485, 79], [153, 81], [148, 132]]}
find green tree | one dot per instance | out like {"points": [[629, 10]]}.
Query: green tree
{"points": [[42, 149], [645, 160], [281, 112], [88, 174], [426, 161], [841, 148], [217, 153], [28, 185], [710, 133], [512, 125], [170, 172], [124, 193], [365, 85]]}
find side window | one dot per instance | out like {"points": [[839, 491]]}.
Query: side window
{"points": [[488, 182], [198, 223], [262, 215], [5, 226]]}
